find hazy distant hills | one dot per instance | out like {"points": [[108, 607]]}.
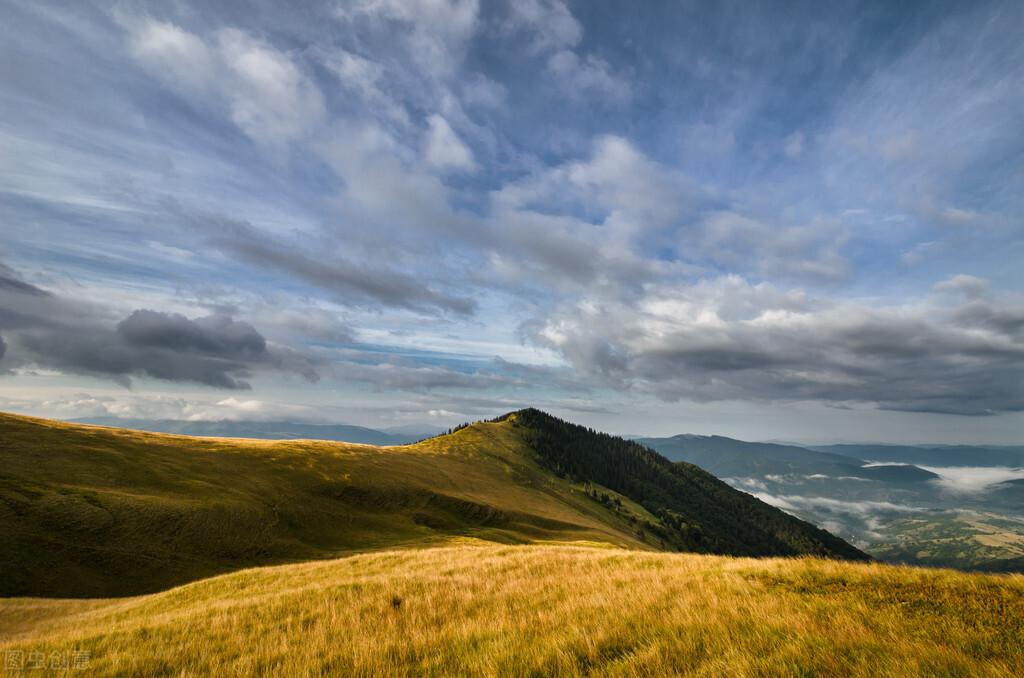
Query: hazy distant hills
{"points": [[268, 430], [728, 457], [959, 506], [953, 455]]}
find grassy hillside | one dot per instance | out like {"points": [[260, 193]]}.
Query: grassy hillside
{"points": [[545, 610], [89, 511]]}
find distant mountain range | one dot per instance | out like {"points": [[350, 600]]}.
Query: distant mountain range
{"points": [[729, 457], [951, 455], [269, 430], [959, 506]]}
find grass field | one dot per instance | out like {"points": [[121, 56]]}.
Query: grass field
{"points": [[544, 610]]}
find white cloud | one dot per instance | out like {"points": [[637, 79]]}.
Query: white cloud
{"points": [[590, 75], [862, 509], [478, 90], [433, 32], [271, 99], [549, 23], [972, 479], [264, 92], [444, 149], [173, 54]]}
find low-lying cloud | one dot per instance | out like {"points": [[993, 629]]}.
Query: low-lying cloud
{"points": [[973, 479]]}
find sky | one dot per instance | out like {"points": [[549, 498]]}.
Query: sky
{"points": [[784, 220]]}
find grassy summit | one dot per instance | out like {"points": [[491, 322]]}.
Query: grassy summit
{"points": [[92, 511]]}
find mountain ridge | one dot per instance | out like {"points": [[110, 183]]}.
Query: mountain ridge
{"points": [[88, 510]]}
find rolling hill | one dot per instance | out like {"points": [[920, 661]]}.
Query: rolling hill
{"points": [[89, 511]]}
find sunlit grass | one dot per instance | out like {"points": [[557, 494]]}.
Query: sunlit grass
{"points": [[500, 610]]}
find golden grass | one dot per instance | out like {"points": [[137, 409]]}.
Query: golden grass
{"points": [[543, 610]]}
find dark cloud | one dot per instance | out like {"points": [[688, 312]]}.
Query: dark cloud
{"points": [[215, 350], [3, 348], [212, 335], [966, 360], [10, 283], [107, 353]]}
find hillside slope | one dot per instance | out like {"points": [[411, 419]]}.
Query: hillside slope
{"points": [[88, 511], [696, 511], [543, 610]]}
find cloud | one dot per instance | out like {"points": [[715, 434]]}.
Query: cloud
{"points": [[548, 29], [67, 335], [970, 286], [179, 57], [743, 243], [479, 90], [972, 479], [270, 97], [398, 376], [266, 94], [215, 335], [747, 484], [591, 75], [725, 338], [156, 407], [215, 351], [11, 283], [802, 251], [434, 33], [862, 509], [444, 149], [348, 282], [549, 24]]}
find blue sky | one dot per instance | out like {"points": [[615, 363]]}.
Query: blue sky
{"points": [[782, 220]]}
